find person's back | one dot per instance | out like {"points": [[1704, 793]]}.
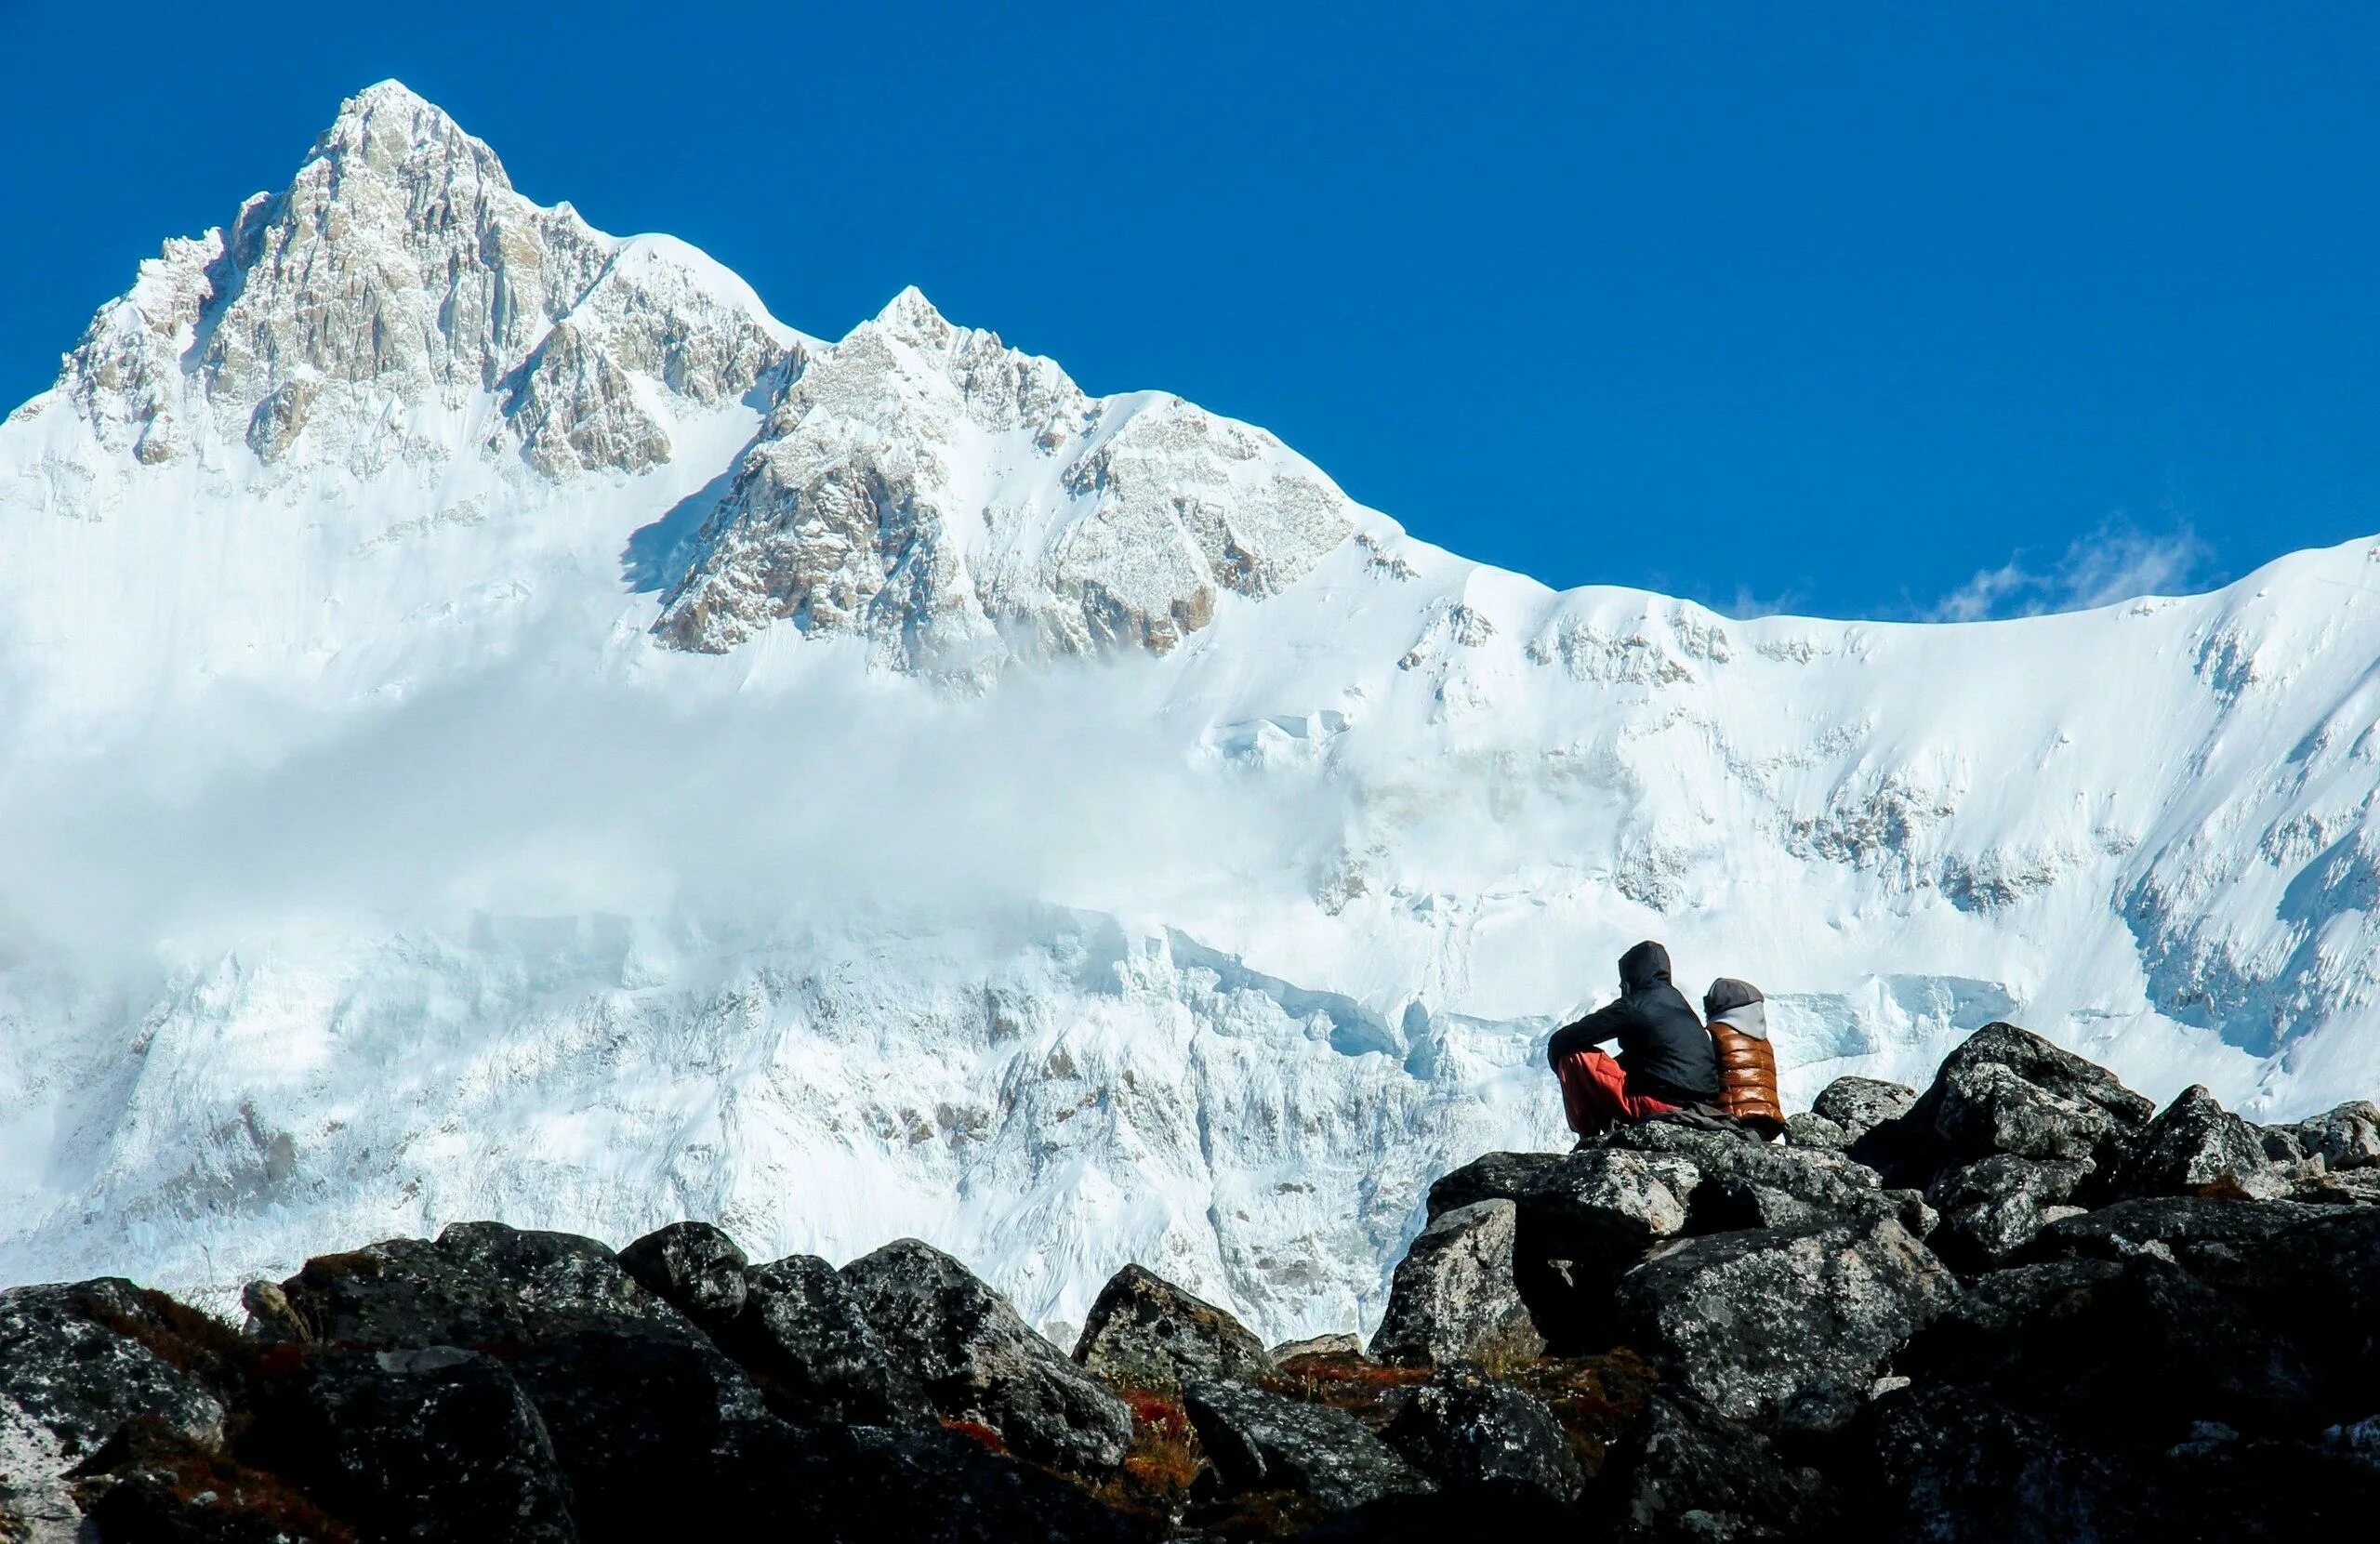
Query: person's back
{"points": [[1665, 1063]]}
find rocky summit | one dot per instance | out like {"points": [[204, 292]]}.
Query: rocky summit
{"points": [[2021, 1303]]}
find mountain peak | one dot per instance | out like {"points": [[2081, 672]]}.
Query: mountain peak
{"points": [[909, 314], [393, 128]]}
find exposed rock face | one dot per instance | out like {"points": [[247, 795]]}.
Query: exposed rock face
{"points": [[68, 1379], [1259, 1441], [1319, 1345], [1465, 1429], [1454, 1296], [2192, 1144], [1788, 1327], [950, 499], [978, 1362], [400, 268], [804, 1337], [693, 1267], [425, 1443], [480, 1283], [1144, 1332]]}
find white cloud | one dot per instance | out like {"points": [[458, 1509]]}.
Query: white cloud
{"points": [[2115, 562]]}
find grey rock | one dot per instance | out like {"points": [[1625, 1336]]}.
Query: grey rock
{"points": [[1958, 1468], [2229, 1242], [479, 1283], [1992, 1208], [2005, 1090], [1984, 1108], [806, 1341], [1786, 1328], [1454, 1296], [1464, 1428], [2345, 1138], [1344, 1343], [978, 1361], [1687, 1473], [692, 1266], [1858, 1104], [2194, 1143], [428, 1444], [1144, 1332], [1497, 1176], [70, 1376], [1808, 1129], [641, 1421], [1260, 1441]]}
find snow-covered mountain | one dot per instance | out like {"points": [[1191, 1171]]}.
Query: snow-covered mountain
{"points": [[499, 725]]}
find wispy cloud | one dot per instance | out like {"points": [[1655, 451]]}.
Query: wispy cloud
{"points": [[2115, 562]]}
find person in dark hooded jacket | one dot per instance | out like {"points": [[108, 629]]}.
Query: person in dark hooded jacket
{"points": [[1666, 1062]]}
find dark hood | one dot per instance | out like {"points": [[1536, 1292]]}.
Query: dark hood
{"points": [[1644, 967]]}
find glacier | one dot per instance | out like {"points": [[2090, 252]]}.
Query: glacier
{"points": [[501, 726]]}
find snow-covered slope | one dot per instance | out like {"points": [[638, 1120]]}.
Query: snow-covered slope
{"points": [[499, 725]]}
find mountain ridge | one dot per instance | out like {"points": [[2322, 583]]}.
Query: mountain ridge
{"points": [[446, 846]]}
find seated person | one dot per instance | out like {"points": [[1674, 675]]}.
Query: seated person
{"points": [[1665, 1062]]}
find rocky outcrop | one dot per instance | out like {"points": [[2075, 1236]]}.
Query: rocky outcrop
{"points": [[1759, 1346], [864, 508], [1146, 1333], [978, 1362], [74, 1370], [1454, 1295]]}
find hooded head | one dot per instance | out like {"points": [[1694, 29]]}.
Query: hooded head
{"points": [[1644, 967], [1738, 1005]]}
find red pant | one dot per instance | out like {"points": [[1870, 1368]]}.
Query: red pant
{"points": [[1594, 1093]]}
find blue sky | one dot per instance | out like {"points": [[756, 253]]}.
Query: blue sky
{"points": [[1858, 310]]}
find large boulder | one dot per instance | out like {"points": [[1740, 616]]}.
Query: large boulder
{"points": [[1261, 1442], [424, 1444], [1992, 1208], [1465, 1429], [1859, 1105], [804, 1338], [2345, 1138], [1686, 1472], [1583, 1218], [480, 1284], [2223, 1240], [693, 1267], [2192, 1145], [1846, 1110], [2005, 1090], [1144, 1332], [73, 1369], [1787, 1327], [978, 1361], [1454, 1297]]}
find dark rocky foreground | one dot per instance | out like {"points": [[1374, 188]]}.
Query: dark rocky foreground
{"points": [[2023, 1304]]}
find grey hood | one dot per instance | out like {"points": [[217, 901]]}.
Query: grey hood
{"points": [[1739, 1004]]}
